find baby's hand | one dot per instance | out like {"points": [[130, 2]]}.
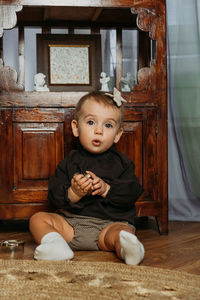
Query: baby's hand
{"points": [[81, 185], [99, 187]]}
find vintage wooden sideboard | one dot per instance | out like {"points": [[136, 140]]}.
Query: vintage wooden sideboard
{"points": [[35, 131]]}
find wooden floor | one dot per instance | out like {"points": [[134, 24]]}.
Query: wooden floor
{"points": [[179, 250]]}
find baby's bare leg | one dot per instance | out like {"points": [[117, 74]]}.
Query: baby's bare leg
{"points": [[52, 232], [42, 223], [120, 238]]}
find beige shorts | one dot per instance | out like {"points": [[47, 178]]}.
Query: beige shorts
{"points": [[86, 230]]}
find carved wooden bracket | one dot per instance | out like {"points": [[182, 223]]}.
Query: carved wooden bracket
{"points": [[8, 18], [146, 78], [8, 79], [147, 20]]}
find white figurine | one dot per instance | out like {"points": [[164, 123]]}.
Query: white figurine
{"points": [[39, 83], [127, 83], [104, 79]]}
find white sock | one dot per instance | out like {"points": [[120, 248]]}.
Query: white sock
{"points": [[53, 247], [132, 250]]}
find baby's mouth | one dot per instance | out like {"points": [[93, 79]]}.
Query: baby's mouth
{"points": [[96, 143]]}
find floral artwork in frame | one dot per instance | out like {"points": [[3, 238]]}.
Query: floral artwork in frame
{"points": [[70, 62]]}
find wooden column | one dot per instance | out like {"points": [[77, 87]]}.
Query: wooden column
{"points": [[1, 47], [70, 30], [94, 29], [46, 30], [119, 58], [21, 75], [144, 49]]}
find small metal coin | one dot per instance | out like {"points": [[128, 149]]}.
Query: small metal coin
{"points": [[88, 176]]}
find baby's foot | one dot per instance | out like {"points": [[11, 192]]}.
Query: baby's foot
{"points": [[132, 250], [53, 247]]}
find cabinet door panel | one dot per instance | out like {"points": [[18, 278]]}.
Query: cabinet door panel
{"points": [[131, 145], [139, 143], [37, 153], [38, 148]]}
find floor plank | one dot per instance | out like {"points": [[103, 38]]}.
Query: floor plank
{"points": [[179, 250]]}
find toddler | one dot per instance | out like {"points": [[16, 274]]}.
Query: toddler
{"points": [[93, 190]]}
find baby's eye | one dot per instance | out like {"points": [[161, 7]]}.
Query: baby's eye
{"points": [[108, 125], [90, 122]]}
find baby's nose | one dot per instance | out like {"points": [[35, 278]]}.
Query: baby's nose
{"points": [[98, 130]]}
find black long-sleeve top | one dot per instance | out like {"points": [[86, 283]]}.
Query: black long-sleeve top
{"points": [[114, 168]]}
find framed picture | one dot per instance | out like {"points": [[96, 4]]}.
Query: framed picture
{"points": [[70, 62]]}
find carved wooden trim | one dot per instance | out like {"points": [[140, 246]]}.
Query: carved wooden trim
{"points": [[8, 79], [147, 20], [81, 3], [8, 17], [150, 21], [147, 78]]}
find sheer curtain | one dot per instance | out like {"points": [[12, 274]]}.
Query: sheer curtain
{"points": [[183, 18]]}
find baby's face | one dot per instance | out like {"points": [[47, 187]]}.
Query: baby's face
{"points": [[98, 126]]}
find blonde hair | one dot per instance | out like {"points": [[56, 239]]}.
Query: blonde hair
{"points": [[99, 97]]}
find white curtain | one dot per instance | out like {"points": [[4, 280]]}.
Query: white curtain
{"points": [[184, 109]]}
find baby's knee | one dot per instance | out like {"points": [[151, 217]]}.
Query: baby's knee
{"points": [[37, 219]]}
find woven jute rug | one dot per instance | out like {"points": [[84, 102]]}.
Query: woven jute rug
{"points": [[29, 279]]}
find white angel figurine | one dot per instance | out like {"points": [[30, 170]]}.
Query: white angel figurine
{"points": [[39, 83], [104, 79], [126, 83]]}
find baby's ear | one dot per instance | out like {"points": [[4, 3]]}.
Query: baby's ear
{"points": [[118, 135], [74, 125]]}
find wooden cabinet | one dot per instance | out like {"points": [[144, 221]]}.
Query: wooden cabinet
{"points": [[35, 131], [34, 140]]}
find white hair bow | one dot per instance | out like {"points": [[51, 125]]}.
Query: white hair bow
{"points": [[117, 98]]}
